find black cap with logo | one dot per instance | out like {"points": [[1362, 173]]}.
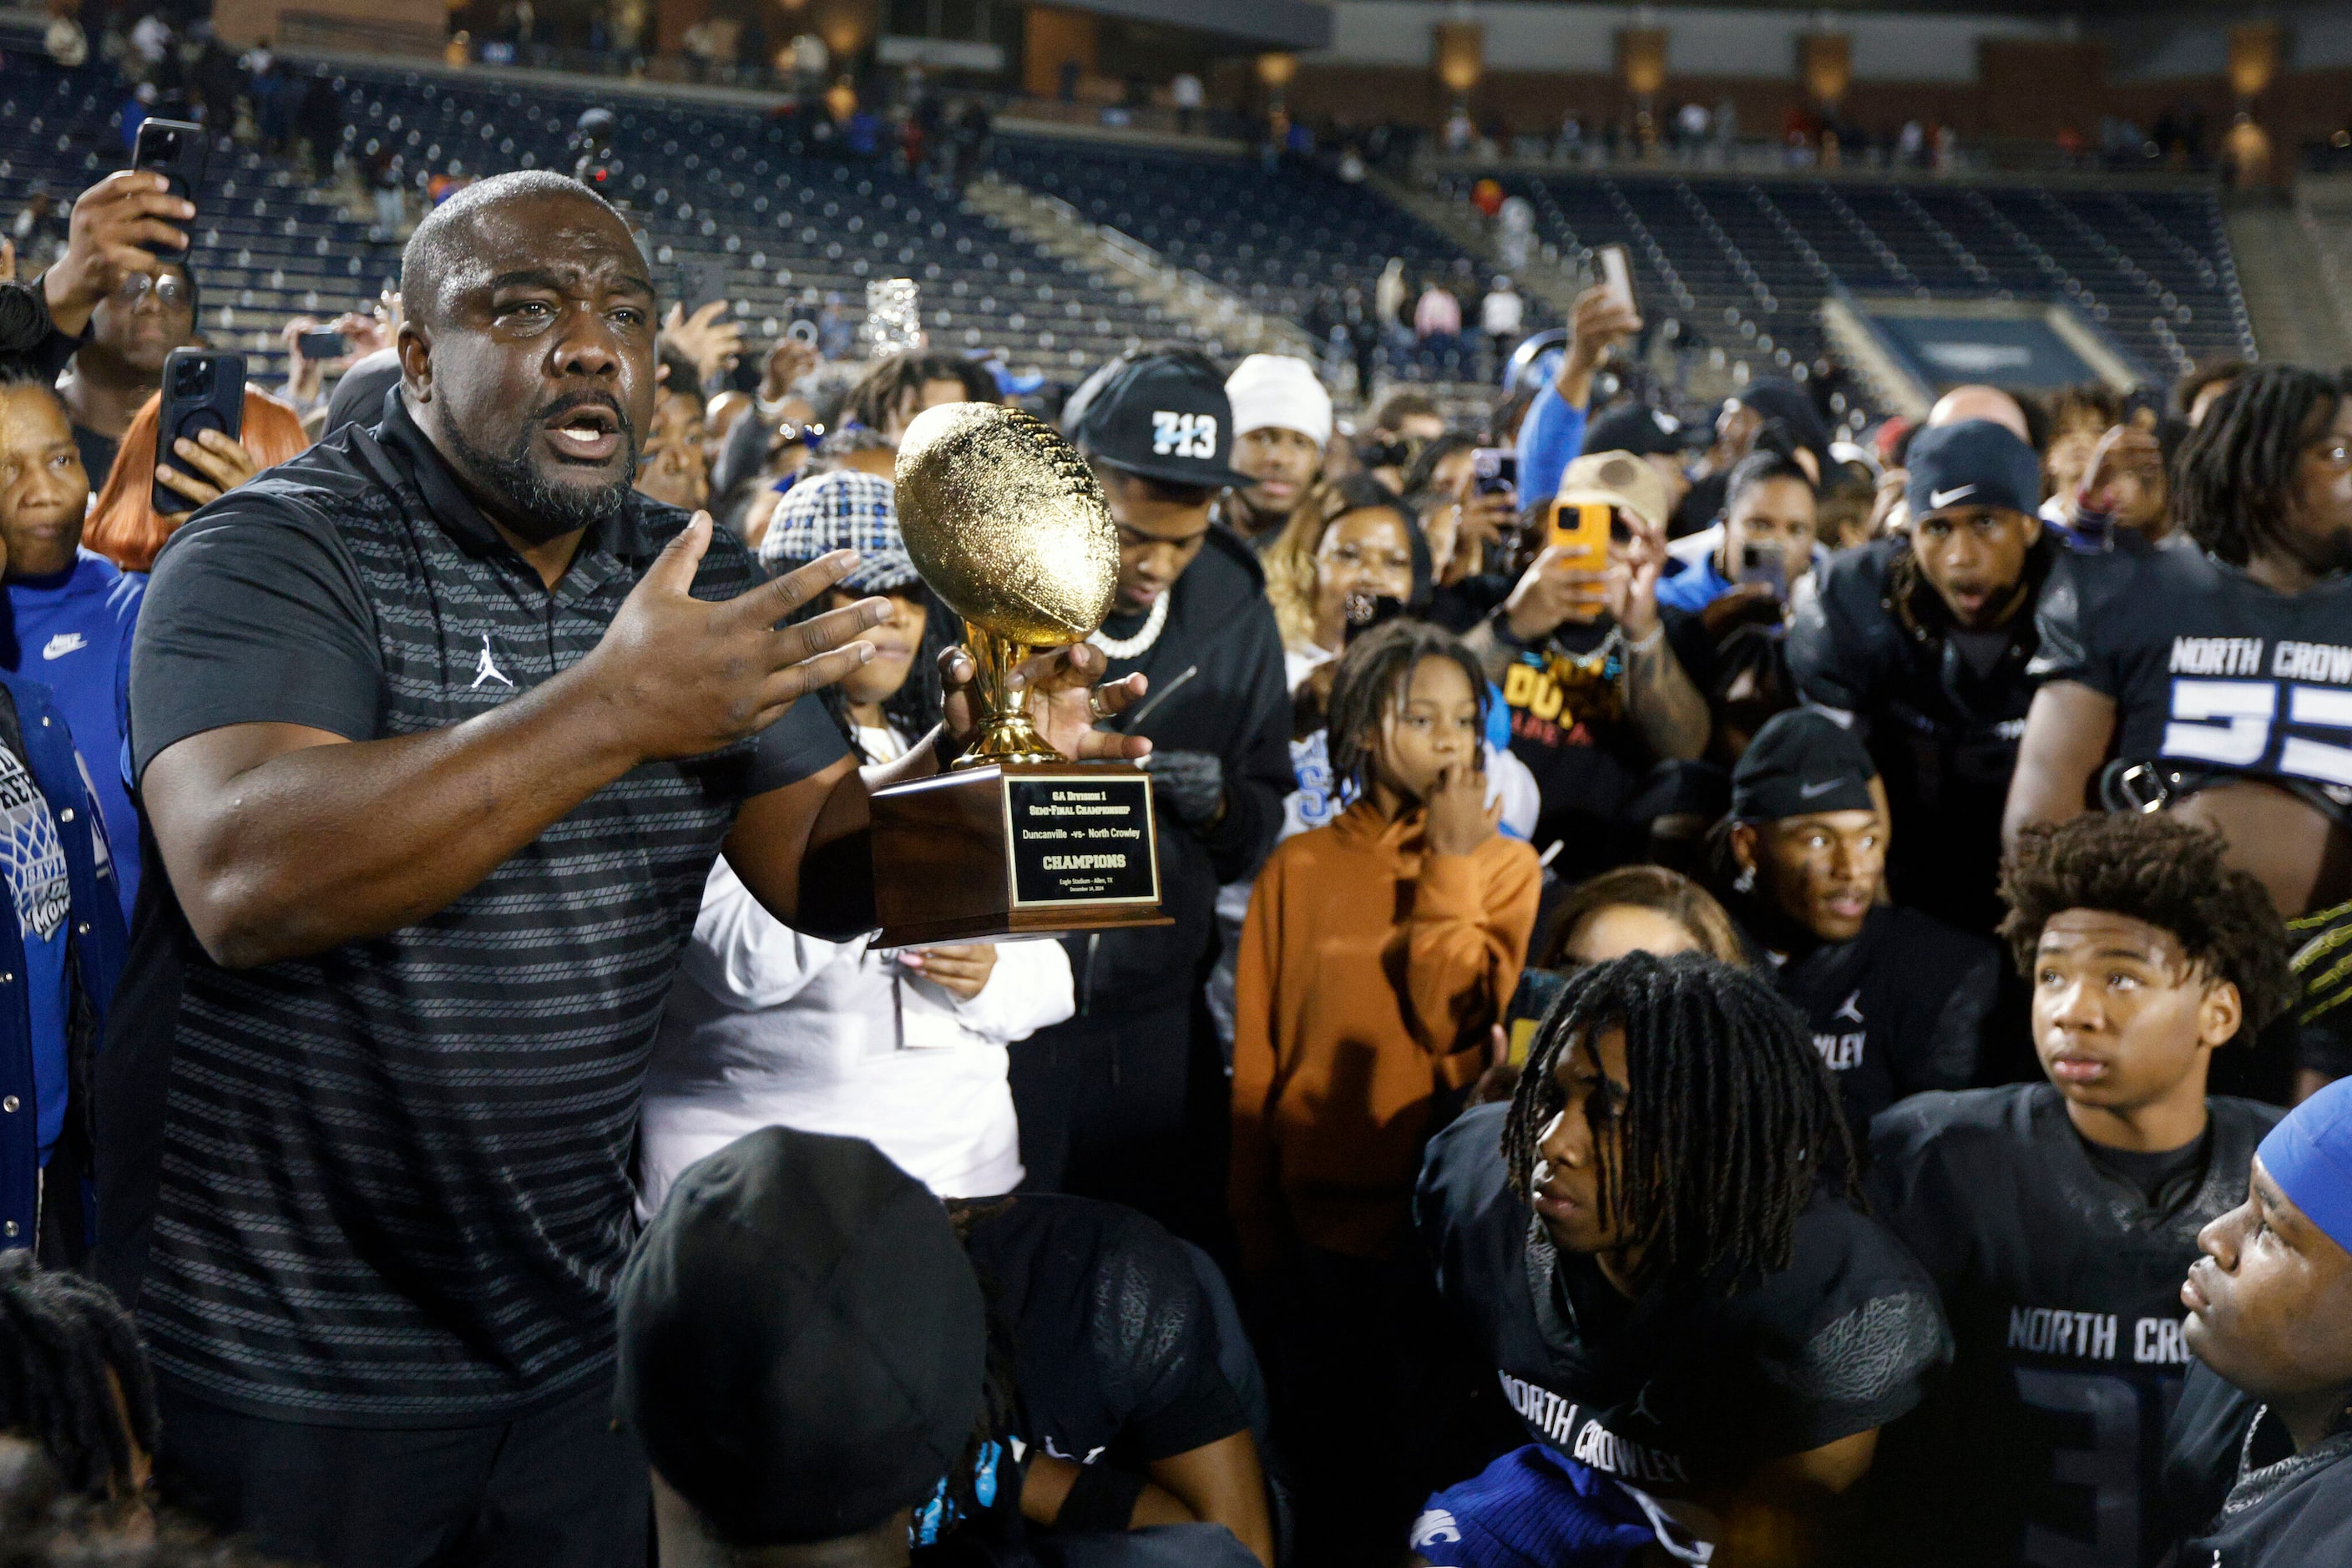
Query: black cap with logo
{"points": [[1975, 463], [1162, 414], [1802, 762]]}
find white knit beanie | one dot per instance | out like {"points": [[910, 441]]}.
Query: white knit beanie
{"points": [[1281, 391]]}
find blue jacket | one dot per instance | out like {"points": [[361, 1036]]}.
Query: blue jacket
{"points": [[32, 725], [72, 633], [1551, 437]]}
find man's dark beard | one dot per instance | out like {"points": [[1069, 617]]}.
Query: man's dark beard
{"points": [[533, 507]]}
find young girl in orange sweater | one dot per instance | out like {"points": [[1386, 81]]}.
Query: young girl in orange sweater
{"points": [[1379, 953]]}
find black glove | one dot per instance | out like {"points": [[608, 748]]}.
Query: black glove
{"points": [[1190, 783]]}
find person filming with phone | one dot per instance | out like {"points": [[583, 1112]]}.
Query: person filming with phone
{"points": [[1767, 545], [1728, 612], [1596, 696]]}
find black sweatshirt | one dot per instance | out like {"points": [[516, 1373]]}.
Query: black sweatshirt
{"points": [[1217, 686]]}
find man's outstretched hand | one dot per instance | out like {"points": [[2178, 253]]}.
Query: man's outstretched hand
{"points": [[683, 676], [1064, 703]]}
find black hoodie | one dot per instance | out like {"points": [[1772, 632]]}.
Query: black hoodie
{"points": [[1217, 686], [1942, 709]]}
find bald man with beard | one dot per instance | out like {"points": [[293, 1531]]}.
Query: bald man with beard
{"points": [[439, 729]]}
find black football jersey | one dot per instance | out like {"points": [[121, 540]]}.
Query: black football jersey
{"points": [[2205, 665], [2287, 1509], [1118, 1349], [1900, 1009], [1682, 1390], [2205, 1446], [2044, 1444]]}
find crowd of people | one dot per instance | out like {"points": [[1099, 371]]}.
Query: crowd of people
{"points": [[1727, 995]]}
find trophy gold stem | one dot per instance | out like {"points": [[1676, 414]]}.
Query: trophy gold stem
{"points": [[1007, 735]]}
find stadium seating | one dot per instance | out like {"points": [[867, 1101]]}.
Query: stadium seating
{"points": [[1747, 261], [1278, 235], [267, 246], [1743, 262], [793, 221]]}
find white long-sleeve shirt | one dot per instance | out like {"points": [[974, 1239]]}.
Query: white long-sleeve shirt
{"points": [[768, 1028]]}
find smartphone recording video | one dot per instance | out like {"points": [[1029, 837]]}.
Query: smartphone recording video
{"points": [[175, 150], [1616, 273], [1495, 471], [1763, 563], [203, 390], [1580, 531]]}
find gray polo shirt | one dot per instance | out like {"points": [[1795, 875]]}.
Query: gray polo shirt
{"points": [[388, 1185]]}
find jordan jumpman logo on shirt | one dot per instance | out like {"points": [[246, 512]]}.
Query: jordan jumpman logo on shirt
{"points": [[488, 669]]}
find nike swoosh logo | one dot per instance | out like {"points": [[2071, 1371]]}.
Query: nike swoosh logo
{"points": [[63, 643], [1815, 791], [1938, 499]]}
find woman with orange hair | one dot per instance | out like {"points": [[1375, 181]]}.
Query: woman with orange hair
{"points": [[124, 525]]}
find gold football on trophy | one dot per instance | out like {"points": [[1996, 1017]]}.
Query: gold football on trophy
{"points": [[1007, 523]]}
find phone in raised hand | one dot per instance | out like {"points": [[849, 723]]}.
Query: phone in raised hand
{"points": [[203, 390], [1580, 531], [1495, 471], [1616, 273], [175, 150], [1763, 563], [702, 283]]}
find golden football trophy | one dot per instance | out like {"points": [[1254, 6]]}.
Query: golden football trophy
{"points": [[1008, 525]]}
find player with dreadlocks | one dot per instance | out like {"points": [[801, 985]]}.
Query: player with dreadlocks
{"points": [[2219, 679], [74, 1380], [1659, 1245]]}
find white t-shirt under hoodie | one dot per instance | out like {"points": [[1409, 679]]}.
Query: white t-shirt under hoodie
{"points": [[768, 1027]]}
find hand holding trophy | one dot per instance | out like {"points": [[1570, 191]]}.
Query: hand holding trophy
{"points": [[1008, 525]]}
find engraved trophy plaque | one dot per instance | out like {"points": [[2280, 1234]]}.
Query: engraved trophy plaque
{"points": [[1009, 527]]}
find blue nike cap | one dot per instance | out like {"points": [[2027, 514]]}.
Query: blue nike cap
{"points": [[1973, 463], [2309, 1155]]}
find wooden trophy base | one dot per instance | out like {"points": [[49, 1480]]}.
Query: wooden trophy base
{"points": [[1015, 850]]}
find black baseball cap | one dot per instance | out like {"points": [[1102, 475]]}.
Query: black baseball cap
{"points": [[803, 1342], [1973, 463], [1777, 397], [1642, 430], [1801, 761], [1162, 414]]}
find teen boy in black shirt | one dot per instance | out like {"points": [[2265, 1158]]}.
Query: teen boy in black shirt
{"points": [[1658, 1252], [1123, 1416], [1898, 1001], [1923, 639], [2219, 675], [2057, 1217]]}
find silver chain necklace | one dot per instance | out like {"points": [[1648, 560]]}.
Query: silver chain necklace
{"points": [[1134, 646]]}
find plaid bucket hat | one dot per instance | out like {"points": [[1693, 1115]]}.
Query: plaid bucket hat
{"points": [[844, 509]]}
